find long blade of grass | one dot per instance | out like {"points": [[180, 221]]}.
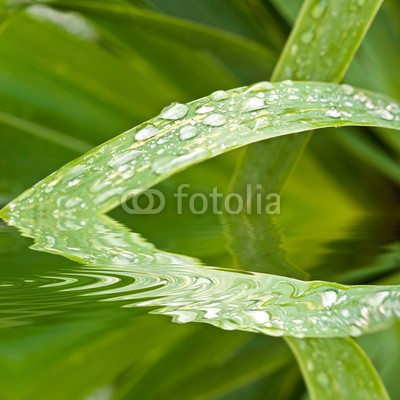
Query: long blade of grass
{"points": [[316, 34], [337, 369], [185, 134]]}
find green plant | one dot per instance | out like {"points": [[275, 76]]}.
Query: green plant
{"points": [[64, 213]]}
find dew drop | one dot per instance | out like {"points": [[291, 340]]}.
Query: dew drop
{"points": [[309, 365], [252, 104], [345, 313], [108, 194], [205, 108], [120, 159], [328, 298], [146, 133], [259, 316], [99, 186], [287, 82], [243, 128], [346, 114], [385, 114], [263, 122], [214, 120], [174, 111], [370, 105], [54, 182], [322, 379], [348, 90], [260, 86], [211, 312], [72, 202], [73, 182], [377, 299], [167, 163], [127, 172], [333, 113], [394, 108], [354, 331], [188, 132], [220, 95], [307, 37], [273, 96], [318, 10]]}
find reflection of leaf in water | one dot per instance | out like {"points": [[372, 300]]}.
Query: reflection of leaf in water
{"points": [[190, 292]]}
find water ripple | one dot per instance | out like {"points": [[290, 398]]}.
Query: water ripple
{"points": [[122, 267]]}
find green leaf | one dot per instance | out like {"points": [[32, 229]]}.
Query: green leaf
{"points": [[328, 365], [185, 134], [233, 48], [315, 36]]}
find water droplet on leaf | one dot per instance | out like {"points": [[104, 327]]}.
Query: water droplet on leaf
{"points": [[174, 111], [328, 298], [307, 37], [260, 86], [322, 379], [385, 114], [72, 202], [220, 95], [73, 182], [333, 113], [348, 90], [166, 164], [318, 10], [188, 132], [120, 159], [205, 108], [214, 120], [263, 122], [146, 133], [252, 104]]}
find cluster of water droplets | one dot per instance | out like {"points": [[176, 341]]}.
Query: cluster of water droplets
{"points": [[325, 371], [318, 42], [184, 134]]}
